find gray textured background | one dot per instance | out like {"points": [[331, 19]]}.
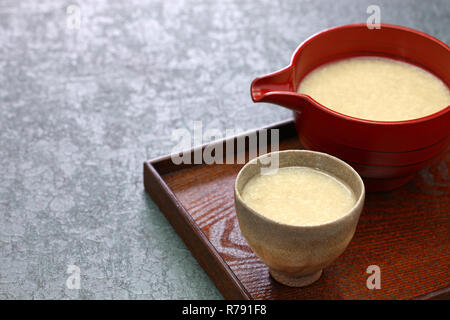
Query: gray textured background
{"points": [[81, 109]]}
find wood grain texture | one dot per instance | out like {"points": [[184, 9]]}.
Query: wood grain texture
{"points": [[405, 232]]}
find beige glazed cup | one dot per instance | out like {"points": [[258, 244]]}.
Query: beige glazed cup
{"points": [[296, 255]]}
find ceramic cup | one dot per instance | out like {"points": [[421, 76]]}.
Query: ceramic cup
{"points": [[296, 255]]}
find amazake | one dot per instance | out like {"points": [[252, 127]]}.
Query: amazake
{"points": [[375, 88], [299, 196]]}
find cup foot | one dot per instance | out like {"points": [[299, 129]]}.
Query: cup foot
{"points": [[295, 281]]}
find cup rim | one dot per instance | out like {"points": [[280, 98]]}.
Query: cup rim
{"points": [[358, 203]]}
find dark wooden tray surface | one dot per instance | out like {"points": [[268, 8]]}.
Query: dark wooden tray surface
{"points": [[405, 232]]}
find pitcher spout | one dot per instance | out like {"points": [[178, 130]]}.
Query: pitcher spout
{"points": [[277, 88]]}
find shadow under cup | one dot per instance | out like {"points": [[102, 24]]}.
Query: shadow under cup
{"points": [[294, 254]]}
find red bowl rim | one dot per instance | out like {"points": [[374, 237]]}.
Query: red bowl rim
{"points": [[347, 117]]}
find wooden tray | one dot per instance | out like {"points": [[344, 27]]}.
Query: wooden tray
{"points": [[405, 232]]}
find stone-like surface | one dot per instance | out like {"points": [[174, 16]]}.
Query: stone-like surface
{"points": [[82, 105]]}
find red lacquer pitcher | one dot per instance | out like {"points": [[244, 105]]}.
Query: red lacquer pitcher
{"points": [[386, 154]]}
